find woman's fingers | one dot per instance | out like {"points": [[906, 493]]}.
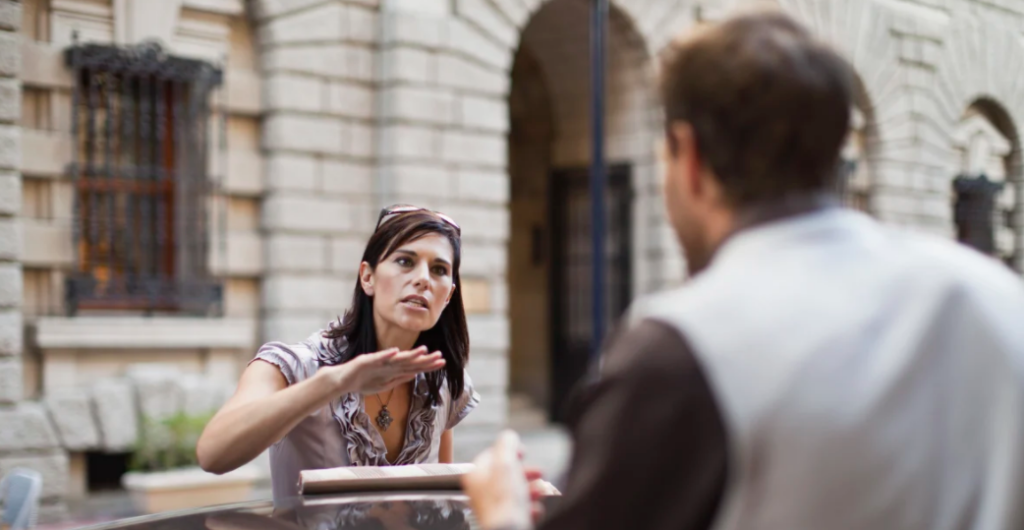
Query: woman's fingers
{"points": [[392, 357], [399, 364], [406, 355], [422, 363], [381, 357]]}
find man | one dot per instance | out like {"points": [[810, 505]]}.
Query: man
{"points": [[817, 371]]}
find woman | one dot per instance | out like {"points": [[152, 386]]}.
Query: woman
{"points": [[383, 386]]}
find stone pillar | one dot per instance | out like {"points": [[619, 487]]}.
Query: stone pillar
{"points": [[443, 121], [28, 438], [10, 205], [318, 135]]}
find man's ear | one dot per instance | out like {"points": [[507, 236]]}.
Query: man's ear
{"points": [[366, 278], [688, 155]]}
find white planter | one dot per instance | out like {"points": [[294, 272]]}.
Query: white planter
{"points": [[188, 488]]}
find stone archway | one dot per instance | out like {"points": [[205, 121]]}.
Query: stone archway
{"points": [[966, 79], [861, 32], [549, 152], [983, 193]]}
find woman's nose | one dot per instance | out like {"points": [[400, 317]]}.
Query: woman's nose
{"points": [[422, 275]]}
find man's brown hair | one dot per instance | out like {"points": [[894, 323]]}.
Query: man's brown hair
{"points": [[768, 102]]}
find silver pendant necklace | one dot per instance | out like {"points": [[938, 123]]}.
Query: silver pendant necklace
{"points": [[384, 418]]}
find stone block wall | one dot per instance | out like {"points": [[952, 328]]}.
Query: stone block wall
{"points": [[443, 119], [10, 206], [27, 438], [320, 104]]}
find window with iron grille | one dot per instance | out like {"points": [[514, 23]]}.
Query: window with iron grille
{"points": [[141, 231]]}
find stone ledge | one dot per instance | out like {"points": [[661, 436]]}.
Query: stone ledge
{"points": [[82, 333], [232, 8], [187, 478]]}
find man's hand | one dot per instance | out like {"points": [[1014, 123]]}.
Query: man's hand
{"points": [[497, 488], [539, 488]]}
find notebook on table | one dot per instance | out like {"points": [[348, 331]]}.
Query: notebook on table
{"points": [[421, 477]]}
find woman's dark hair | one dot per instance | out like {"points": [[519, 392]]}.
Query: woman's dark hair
{"points": [[450, 335]]}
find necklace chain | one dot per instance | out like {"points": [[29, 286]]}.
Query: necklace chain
{"points": [[382, 403], [384, 418]]}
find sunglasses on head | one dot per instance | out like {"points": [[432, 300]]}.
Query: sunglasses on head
{"points": [[391, 212]]}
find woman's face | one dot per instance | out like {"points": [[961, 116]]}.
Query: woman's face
{"points": [[412, 286]]}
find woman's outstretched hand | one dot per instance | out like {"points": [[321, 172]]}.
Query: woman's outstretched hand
{"points": [[379, 372]]}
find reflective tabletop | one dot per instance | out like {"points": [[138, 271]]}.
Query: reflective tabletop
{"points": [[384, 511]]}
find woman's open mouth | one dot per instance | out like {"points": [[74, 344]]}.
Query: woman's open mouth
{"points": [[416, 303]]}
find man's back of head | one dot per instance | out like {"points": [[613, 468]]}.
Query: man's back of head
{"points": [[769, 104], [756, 112]]}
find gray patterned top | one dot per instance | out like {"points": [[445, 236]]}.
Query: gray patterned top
{"points": [[340, 434]]}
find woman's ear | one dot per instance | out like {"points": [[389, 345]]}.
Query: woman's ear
{"points": [[450, 295], [366, 278]]}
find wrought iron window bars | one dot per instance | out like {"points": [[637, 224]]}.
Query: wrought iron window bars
{"points": [[141, 225]]}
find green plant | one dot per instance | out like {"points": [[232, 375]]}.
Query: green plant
{"points": [[168, 443]]}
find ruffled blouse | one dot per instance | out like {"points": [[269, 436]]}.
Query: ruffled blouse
{"points": [[341, 434]]}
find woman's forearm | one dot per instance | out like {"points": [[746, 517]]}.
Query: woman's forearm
{"points": [[238, 434], [446, 453]]}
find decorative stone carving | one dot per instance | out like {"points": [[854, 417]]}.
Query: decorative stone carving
{"points": [[116, 414], [26, 427], [72, 414], [160, 396]]}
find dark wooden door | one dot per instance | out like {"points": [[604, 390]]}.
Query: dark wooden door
{"points": [[572, 266]]}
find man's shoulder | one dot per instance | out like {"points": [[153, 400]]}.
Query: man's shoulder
{"points": [[779, 290], [957, 266]]}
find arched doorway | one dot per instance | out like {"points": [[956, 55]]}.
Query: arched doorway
{"points": [[985, 191], [549, 152]]}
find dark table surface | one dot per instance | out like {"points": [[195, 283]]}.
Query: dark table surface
{"points": [[377, 511]]}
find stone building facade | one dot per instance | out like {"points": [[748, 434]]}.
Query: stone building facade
{"points": [[329, 109]]}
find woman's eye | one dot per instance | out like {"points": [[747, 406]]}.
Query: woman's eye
{"points": [[405, 262], [440, 271]]}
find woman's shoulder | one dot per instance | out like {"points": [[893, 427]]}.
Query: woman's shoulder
{"points": [[299, 361]]}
